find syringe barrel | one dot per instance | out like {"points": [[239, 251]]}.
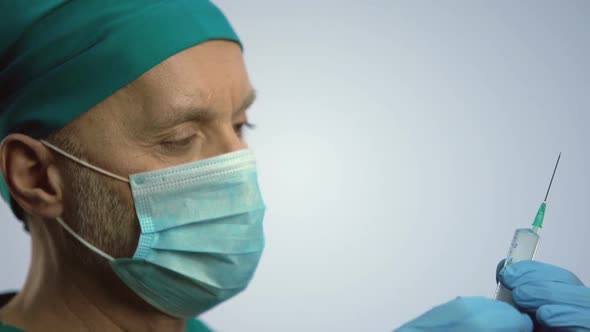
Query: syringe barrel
{"points": [[523, 247]]}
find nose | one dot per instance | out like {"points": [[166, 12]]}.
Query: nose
{"points": [[226, 141], [232, 141]]}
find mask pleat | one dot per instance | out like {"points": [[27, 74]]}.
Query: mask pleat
{"points": [[170, 291], [231, 235], [196, 202], [218, 270]]}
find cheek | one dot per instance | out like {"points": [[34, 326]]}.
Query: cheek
{"points": [[101, 211], [112, 215], [123, 191], [125, 225]]}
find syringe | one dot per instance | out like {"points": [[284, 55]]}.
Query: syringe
{"points": [[524, 243]]}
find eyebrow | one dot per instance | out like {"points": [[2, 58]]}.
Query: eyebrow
{"points": [[184, 113]]}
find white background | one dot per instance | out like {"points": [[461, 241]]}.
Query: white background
{"points": [[400, 143]]}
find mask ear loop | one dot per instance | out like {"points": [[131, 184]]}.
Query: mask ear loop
{"points": [[96, 169], [84, 242], [82, 162]]}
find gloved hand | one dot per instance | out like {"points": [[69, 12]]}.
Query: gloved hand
{"points": [[556, 297], [471, 314]]}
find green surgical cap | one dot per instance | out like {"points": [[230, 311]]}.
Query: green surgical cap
{"points": [[59, 58]]}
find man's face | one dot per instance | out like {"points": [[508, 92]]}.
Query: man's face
{"points": [[190, 107]]}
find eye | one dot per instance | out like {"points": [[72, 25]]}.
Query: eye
{"points": [[239, 127], [180, 143]]}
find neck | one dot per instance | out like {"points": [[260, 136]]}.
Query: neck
{"points": [[62, 296]]}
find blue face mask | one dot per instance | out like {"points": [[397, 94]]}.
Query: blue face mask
{"points": [[201, 232]]}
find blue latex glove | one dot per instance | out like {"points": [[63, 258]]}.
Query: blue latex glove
{"points": [[556, 297], [470, 314]]}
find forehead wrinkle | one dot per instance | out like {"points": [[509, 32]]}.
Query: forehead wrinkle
{"points": [[184, 108], [179, 114]]}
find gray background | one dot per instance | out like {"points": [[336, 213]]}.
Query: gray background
{"points": [[400, 143]]}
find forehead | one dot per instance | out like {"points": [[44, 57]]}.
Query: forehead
{"points": [[211, 76]]}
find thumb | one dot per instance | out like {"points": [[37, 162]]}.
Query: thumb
{"points": [[499, 268]]}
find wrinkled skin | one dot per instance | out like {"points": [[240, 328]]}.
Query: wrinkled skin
{"points": [[190, 107]]}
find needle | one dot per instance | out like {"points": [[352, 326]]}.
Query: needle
{"points": [[552, 176]]}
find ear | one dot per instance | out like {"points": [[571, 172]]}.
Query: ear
{"points": [[32, 176]]}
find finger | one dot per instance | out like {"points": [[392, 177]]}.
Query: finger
{"points": [[471, 314], [536, 294], [560, 316], [499, 268], [523, 272], [483, 314]]}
